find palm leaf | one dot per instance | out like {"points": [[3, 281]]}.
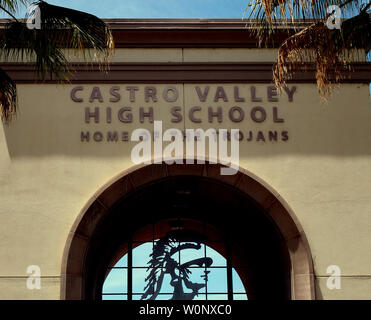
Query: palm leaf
{"points": [[329, 50], [11, 6], [81, 30], [8, 94], [61, 28]]}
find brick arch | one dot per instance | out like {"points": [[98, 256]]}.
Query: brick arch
{"points": [[302, 275]]}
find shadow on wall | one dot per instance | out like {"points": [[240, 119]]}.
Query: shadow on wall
{"points": [[319, 295], [50, 123]]}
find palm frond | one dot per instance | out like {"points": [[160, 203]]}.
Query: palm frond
{"points": [[271, 16], [8, 97], [284, 11], [61, 28], [12, 6], [78, 30], [20, 43], [331, 51]]}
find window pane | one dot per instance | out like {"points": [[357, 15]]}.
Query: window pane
{"points": [[139, 276], [197, 278], [238, 286], [218, 259], [200, 297], [123, 262], [217, 280], [114, 297], [141, 254], [164, 297], [187, 255], [116, 281], [166, 286], [217, 297], [239, 297]]}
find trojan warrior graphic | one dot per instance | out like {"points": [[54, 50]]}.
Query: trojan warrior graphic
{"points": [[164, 261]]}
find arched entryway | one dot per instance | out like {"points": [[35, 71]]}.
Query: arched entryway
{"points": [[265, 241]]}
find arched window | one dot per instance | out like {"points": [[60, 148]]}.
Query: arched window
{"points": [[181, 265]]}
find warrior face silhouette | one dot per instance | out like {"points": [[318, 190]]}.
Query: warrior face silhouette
{"points": [[162, 262]]}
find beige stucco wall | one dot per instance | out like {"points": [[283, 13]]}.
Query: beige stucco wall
{"points": [[323, 171], [174, 55]]}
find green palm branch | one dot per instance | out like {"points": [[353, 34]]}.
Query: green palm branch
{"points": [[61, 28], [330, 50]]}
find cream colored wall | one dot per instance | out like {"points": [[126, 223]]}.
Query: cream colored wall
{"points": [[178, 55], [323, 171]]}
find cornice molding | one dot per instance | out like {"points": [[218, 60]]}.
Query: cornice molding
{"points": [[257, 72]]}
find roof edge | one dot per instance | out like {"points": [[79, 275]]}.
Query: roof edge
{"points": [[165, 23], [192, 33]]}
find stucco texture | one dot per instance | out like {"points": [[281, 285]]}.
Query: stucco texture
{"points": [[323, 171]]}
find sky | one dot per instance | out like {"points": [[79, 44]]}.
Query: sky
{"points": [[207, 9], [204, 9]]}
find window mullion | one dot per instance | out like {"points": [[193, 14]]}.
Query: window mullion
{"points": [[130, 270]]}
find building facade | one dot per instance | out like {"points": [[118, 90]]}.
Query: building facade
{"points": [[73, 202]]}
